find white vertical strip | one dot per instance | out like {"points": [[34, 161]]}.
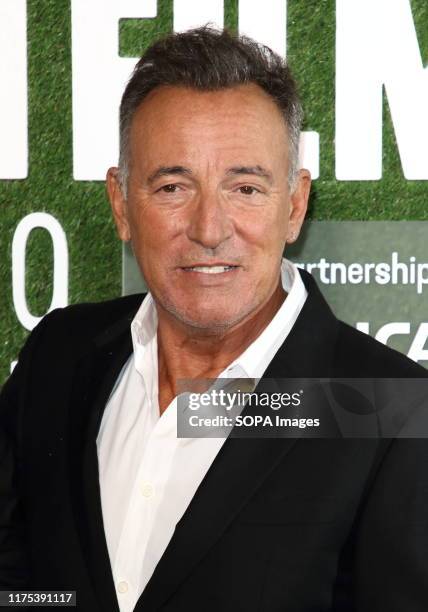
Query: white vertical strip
{"points": [[195, 13], [266, 22], [99, 78], [13, 90]]}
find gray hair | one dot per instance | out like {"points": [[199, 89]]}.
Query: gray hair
{"points": [[207, 59]]}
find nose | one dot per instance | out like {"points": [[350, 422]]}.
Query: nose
{"points": [[209, 223]]}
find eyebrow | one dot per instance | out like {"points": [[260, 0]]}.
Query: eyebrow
{"points": [[166, 170], [255, 170], [234, 170]]}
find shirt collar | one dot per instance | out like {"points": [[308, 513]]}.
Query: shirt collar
{"points": [[254, 360]]}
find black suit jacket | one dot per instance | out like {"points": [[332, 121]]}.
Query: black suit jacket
{"points": [[292, 525]]}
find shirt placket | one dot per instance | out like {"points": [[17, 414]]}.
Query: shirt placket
{"points": [[147, 492]]}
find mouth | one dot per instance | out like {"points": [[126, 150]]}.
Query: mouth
{"points": [[214, 269]]}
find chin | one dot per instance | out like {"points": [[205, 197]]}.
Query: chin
{"points": [[208, 319]]}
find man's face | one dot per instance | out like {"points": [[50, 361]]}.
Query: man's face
{"points": [[208, 208]]}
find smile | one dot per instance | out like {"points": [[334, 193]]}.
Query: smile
{"points": [[210, 269]]}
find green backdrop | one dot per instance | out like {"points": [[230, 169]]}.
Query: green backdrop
{"points": [[81, 207]]}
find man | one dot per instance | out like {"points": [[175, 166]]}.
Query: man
{"points": [[116, 506]]}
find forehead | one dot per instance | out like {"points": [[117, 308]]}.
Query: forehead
{"points": [[176, 120]]}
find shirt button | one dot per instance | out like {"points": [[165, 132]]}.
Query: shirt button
{"points": [[122, 586], [147, 489]]}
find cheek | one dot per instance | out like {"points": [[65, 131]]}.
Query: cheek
{"points": [[280, 229], [155, 231], [267, 235], [282, 220]]}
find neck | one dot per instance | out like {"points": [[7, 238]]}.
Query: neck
{"points": [[186, 352]]}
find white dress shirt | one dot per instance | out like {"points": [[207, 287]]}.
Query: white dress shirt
{"points": [[148, 476]]}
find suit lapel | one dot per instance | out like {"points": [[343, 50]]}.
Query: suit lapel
{"points": [[95, 377], [236, 473], [242, 464]]}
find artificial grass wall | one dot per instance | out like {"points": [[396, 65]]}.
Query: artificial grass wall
{"points": [[81, 207]]}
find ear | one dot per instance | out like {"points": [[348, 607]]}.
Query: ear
{"points": [[118, 204], [298, 204]]}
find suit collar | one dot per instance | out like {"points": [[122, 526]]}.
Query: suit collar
{"points": [[309, 348], [120, 329]]}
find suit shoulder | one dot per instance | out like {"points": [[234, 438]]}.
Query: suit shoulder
{"points": [[357, 352], [87, 319]]}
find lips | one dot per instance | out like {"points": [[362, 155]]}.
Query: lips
{"points": [[214, 269]]}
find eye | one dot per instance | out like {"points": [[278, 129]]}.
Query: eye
{"points": [[171, 188], [247, 190]]}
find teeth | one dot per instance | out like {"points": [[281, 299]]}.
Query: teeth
{"points": [[211, 269]]}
